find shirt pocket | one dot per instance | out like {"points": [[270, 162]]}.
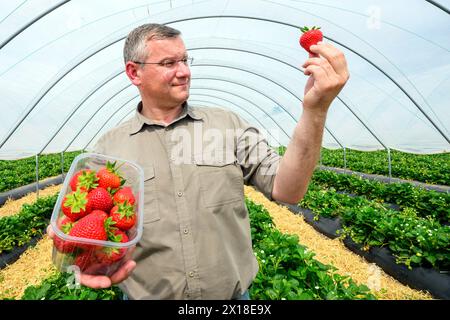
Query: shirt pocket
{"points": [[151, 205], [221, 182]]}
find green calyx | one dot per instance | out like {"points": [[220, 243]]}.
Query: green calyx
{"points": [[76, 201], [67, 227], [88, 180], [306, 29], [125, 210]]}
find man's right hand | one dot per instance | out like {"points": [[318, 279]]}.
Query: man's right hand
{"points": [[102, 282]]}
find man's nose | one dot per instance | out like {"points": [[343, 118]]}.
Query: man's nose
{"points": [[183, 70]]}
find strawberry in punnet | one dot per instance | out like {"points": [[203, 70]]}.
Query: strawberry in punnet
{"points": [[108, 255], [109, 177], [85, 260], [75, 205], [65, 225], [91, 227], [124, 216], [100, 199], [84, 179], [124, 194], [310, 37]]}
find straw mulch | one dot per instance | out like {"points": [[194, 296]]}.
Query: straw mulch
{"points": [[334, 252], [33, 266], [11, 207]]}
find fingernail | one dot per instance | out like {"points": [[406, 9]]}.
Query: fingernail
{"points": [[320, 42]]}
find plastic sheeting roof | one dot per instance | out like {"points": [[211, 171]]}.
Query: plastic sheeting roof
{"points": [[62, 81]]}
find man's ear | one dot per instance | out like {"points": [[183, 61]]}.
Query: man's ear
{"points": [[133, 72]]}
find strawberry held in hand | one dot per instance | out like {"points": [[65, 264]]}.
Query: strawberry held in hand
{"points": [[124, 194], [100, 199], [65, 225], [75, 205], [108, 255], [310, 37], [85, 179], [109, 177], [91, 226], [124, 216]]}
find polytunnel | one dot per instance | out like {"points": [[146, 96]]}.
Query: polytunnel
{"points": [[63, 86], [62, 76]]}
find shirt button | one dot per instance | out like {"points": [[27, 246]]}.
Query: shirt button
{"points": [[191, 274], [186, 231], [179, 193]]}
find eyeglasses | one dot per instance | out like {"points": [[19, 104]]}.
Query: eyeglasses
{"points": [[170, 64]]}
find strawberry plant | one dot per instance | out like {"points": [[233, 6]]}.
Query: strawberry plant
{"points": [[413, 239], [426, 202], [287, 270], [310, 37], [433, 168], [55, 288], [18, 229], [16, 173]]}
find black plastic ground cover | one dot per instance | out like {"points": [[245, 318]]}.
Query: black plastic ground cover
{"points": [[435, 282], [376, 177], [10, 257], [24, 190]]}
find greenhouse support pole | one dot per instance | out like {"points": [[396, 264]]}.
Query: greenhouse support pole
{"points": [[389, 164], [345, 159], [62, 164], [37, 176]]}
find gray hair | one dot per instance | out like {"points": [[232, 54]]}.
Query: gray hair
{"points": [[136, 42]]}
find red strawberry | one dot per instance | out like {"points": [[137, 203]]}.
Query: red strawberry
{"points": [[123, 215], [84, 179], [65, 225], [108, 255], [124, 194], [85, 260], [109, 177], [75, 205], [100, 214], [100, 199], [91, 226], [310, 37]]}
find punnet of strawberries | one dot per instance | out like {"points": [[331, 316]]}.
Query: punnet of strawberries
{"points": [[98, 215]]}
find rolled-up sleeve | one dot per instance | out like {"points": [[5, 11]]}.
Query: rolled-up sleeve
{"points": [[259, 162]]}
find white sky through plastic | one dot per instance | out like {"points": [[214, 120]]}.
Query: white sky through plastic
{"points": [[398, 54]]}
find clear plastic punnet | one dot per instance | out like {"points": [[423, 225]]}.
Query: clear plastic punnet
{"points": [[98, 217]]}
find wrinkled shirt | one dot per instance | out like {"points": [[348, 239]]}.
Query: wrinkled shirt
{"points": [[196, 242]]}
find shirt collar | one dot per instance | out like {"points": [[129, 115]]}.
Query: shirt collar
{"points": [[139, 120]]}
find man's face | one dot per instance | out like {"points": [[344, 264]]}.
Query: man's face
{"points": [[165, 85]]}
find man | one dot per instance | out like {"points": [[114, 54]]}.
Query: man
{"points": [[196, 242]]}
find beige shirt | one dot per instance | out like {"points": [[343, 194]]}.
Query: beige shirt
{"points": [[196, 242]]}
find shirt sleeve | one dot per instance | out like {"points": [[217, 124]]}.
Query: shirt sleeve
{"points": [[259, 162]]}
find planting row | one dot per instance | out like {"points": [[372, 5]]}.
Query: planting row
{"points": [[405, 195], [433, 169], [17, 230], [288, 270], [21, 172], [415, 240]]}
